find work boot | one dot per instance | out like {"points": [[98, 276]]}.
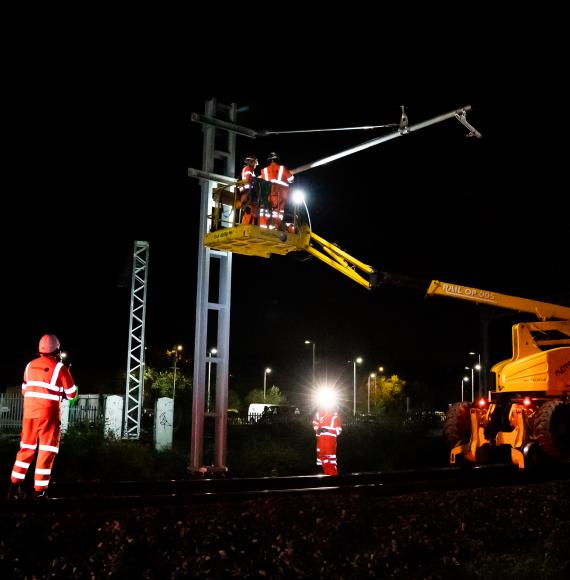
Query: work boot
{"points": [[40, 494], [15, 491]]}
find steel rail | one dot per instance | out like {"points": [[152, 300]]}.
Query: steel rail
{"points": [[96, 496]]}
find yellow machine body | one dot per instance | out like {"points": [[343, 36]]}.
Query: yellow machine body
{"points": [[530, 407]]}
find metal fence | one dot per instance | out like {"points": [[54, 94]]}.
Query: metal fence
{"points": [[87, 410], [11, 410]]}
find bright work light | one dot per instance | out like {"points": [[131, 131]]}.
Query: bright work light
{"points": [[298, 196], [326, 397]]}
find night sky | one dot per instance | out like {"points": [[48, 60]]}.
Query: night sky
{"points": [[88, 179]]}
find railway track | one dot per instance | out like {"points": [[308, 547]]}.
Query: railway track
{"points": [[93, 495]]}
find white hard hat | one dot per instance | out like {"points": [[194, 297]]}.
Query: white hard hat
{"points": [[48, 343]]}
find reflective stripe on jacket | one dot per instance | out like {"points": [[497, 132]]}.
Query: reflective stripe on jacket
{"points": [[277, 174], [46, 382]]}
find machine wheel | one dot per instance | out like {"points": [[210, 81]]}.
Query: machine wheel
{"points": [[456, 426], [552, 428]]}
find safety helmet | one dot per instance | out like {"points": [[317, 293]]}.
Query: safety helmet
{"points": [[48, 343], [251, 158], [272, 156]]}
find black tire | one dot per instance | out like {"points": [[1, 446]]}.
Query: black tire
{"points": [[552, 429], [456, 425]]}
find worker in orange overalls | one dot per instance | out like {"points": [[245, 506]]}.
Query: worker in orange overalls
{"points": [[328, 426], [280, 178], [46, 382], [248, 201]]}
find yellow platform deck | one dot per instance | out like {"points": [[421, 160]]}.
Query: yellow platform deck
{"points": [[250, 240]]}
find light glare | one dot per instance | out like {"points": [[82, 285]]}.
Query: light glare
{"points": [[326, 397], [298, 196]]}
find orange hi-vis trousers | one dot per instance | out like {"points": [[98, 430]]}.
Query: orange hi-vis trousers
{"points": [[326, 454], [41, 434]]}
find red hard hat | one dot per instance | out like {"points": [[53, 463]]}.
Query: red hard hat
{"points": [[48, 343]]}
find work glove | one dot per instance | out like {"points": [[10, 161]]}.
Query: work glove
{"points": [[73, 402]]}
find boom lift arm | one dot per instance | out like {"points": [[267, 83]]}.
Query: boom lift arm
{"points": [[338, 259], [543, 310]]}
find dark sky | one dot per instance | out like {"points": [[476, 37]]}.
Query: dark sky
{"points": [[87, 178]]}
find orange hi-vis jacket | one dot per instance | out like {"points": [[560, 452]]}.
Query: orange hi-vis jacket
{"points": [[46, 383], [281, 178], [327, 423], [247, 174]]}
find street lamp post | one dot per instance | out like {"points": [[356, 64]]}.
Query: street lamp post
{"points": [[212, 351], [354, 362], [463, 381], [380, 370], [479, 369], [267, 370], [174, 353], [370, 376], [472, 382], [313, 343]]}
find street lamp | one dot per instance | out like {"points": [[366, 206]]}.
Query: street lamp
{"points": [[210, 353], [358, 360], [463, 381], [313, 343], [370, 376], [265, 373], [479, 369], [174, 353], [472, 382], [380, 370]]}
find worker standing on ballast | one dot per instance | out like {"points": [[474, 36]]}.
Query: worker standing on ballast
{"points": [[328, 426], [46, 382]]}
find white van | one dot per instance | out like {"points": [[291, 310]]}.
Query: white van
{"points": [[270, 412], [255, 411]]}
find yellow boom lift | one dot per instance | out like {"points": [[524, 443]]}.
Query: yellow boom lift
{"points": [[253, 240]]}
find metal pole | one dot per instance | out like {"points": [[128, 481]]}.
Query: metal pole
{"points": [[264, 383], [472, 386], [209, 379], [462, 391], [313, 364], [354, 389], [174, 382], [369, 394], [375, 396], [479, 391]]}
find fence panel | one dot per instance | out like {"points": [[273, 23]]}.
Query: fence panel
{"points": [[12, 410]]}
